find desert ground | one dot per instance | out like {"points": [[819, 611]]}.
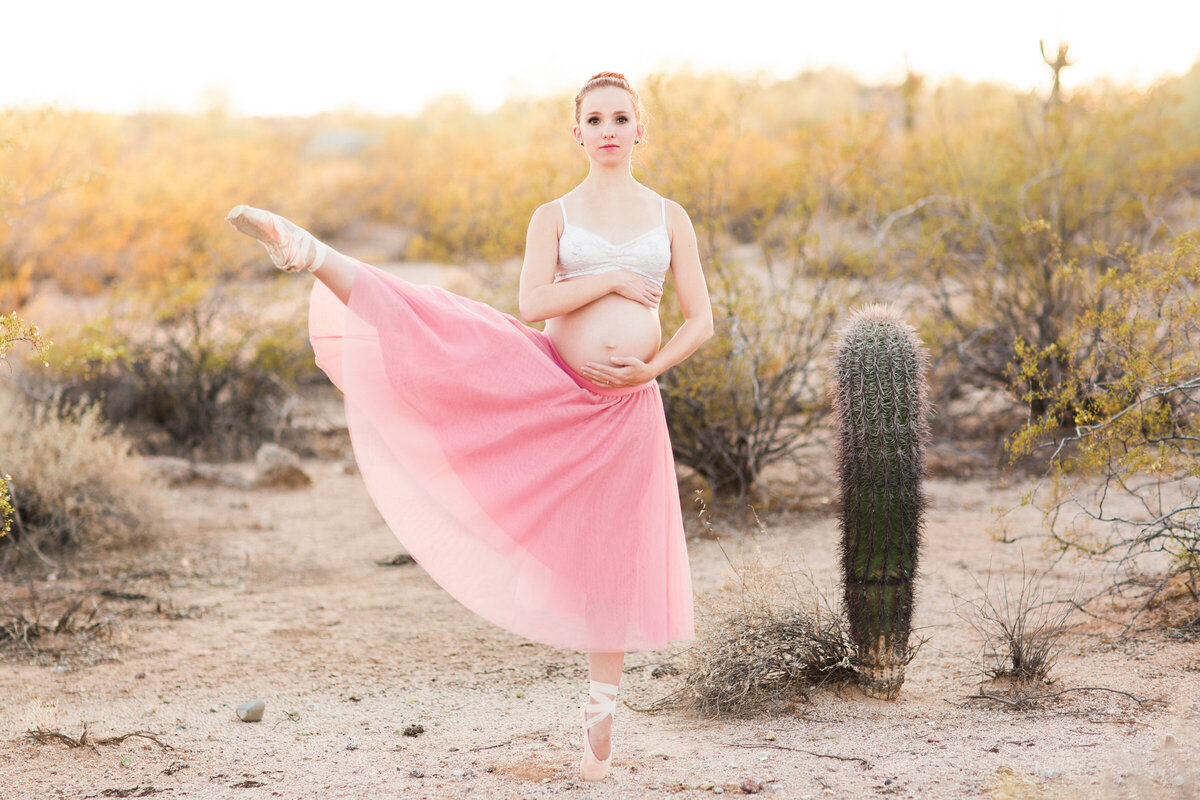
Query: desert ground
{"points": [[279, 595]]}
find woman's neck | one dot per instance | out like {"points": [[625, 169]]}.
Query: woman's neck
{"points": [[609, 180]]}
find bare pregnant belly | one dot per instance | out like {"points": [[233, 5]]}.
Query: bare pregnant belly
{"points": [[607, 327]]}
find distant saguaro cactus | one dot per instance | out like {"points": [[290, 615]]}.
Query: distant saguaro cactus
{"points": [[881, 401]]}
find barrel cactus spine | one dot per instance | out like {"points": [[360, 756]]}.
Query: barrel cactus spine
{"points": [[881, 403]]}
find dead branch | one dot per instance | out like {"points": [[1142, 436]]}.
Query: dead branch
{"points": [[865, 764], [43, 736], [1024, 702]]}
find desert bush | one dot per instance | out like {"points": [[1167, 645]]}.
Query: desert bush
{"points": [[764, 645], [755, 394], [1021, 629], [203, 372], [1123, 484], [1010, 217], [73, 485], [13, 329]]}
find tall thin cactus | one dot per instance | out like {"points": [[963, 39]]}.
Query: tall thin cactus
{"points": [[881, 401]]}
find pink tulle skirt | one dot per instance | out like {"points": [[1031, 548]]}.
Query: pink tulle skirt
{"points": [[540, 501]]}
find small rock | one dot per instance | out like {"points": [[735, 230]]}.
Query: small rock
{"points": [[212, 709], [770, 736], [274, 466], [170, 470], [139, 674], [351, 746], [718, 790], [251, 711], [417, 773], [470, 773], [750, 786], [663, 670], [223, 475], [657, 753], [414, 730]]}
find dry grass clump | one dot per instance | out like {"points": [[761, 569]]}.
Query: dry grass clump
{"points": [[764, 645], [73, 484], [1022, 629]]}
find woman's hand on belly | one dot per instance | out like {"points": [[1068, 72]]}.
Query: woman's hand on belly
{"points": [[623, 371], [634, 287]]}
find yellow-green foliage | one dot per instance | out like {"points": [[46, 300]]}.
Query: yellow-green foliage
{"points": [[74, 484], [1126, 467], [206, 368], [13, 329], [999, 210], [93, 199]]}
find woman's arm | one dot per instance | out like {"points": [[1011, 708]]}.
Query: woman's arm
{"points": [[541, 298], [697, 327]]}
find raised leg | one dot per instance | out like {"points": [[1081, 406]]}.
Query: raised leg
{"points": [[292, 248], [605, 674]]}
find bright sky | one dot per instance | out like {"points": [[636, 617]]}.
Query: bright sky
{"points": [[393, 56]]}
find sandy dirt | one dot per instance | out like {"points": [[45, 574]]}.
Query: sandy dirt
{"points": [[277, 595]]}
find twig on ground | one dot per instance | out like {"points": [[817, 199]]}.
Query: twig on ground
{"points": [[42, 736], [491, 746], [865, 764], [1022, 702]]}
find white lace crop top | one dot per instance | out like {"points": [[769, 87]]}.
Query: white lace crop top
{"points": [[581, 252]]}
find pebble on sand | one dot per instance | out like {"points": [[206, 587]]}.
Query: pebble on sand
{"points": [[251, 711]]}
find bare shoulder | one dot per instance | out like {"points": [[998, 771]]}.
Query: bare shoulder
{"points": [[678, 221], [547, 217]]}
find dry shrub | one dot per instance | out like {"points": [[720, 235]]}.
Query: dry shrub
{"points": [[764, 646], [73, 483], [208, 371], [1022, 629], [755, 395]]}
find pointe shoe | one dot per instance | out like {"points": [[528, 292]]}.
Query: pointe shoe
{"points": [[290, 247], [592, 768]]}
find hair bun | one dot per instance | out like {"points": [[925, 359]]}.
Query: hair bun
{"points": [[614, 75]]}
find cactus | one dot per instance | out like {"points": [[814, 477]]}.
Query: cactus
{"points": [[881, 400]]}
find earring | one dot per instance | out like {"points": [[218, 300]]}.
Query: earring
{"points": [[637, 141]]}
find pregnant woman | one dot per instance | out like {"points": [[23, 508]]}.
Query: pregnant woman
{"points": [[530, 473]]}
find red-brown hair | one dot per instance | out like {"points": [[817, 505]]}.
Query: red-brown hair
{"points": [[603, 80]]}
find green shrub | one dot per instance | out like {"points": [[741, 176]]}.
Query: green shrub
{"points": [[1011, 219], [754, 395], [202, 372], [1124, 478], [13, 329]]}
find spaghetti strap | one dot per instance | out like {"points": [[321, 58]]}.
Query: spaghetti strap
{"points": [[563, 206]]}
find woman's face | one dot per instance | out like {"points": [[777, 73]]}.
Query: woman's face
{"points": [[608, 125]]}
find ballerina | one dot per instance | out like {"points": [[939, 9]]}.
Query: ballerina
{"points": [[530, 473]]}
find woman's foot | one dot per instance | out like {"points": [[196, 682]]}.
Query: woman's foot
{"points": [[597, 716], [291, 247]]}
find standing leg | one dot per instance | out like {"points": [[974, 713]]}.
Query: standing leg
{"points": [[605, 674], [292, 248]]}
